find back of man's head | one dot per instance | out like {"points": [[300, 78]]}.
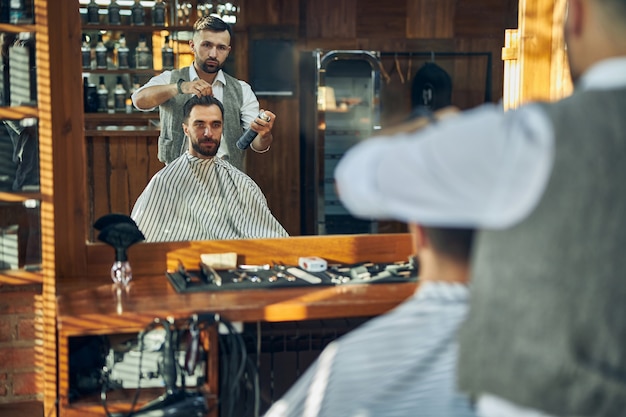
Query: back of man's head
{"points": [[201, 101], [613, 16], [451, 243]]}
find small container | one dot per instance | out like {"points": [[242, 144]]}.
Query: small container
{"points": [[114, 13], [121, 272], [137, 14]]}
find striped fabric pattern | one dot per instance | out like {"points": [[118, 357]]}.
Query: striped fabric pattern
{"points": [[398, 364], [203, 199]]}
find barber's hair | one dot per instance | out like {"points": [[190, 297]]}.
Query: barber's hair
{"points": [[212, 23], [200, 101], [455, 243], [615, 10]]}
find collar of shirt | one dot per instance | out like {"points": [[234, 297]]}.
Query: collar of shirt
{"points": [[609, 73], [193, 75]]}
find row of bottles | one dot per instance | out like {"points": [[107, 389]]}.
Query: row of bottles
{"points": [[114, 14], [16, 11], [104, 98], [118, 55]]}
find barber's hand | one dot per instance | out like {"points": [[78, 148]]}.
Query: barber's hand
{"points": [[263, 142], [261, 126], [198, 88]]}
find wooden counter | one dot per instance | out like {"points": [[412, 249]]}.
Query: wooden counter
{"points": [[100, 309], [105, 310]]}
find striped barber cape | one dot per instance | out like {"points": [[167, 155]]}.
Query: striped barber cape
{"points": [[203, 199]]}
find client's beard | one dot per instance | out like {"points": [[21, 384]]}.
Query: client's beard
{"points": [[196, 147]]}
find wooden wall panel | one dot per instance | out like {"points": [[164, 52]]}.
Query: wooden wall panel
{"points": [[470, 73], [430, 18], [269, 12], [330, 18], [119, 170], [482, 18], [375, 18], [277, 172]]}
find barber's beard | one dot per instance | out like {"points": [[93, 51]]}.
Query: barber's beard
{"points": [[201, 150], [215, 67]]}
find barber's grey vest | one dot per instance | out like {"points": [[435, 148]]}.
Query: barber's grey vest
{"points": [[547, 324], [172, 141]]}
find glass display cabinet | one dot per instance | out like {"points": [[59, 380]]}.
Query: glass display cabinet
{"points": [[347, 108]]}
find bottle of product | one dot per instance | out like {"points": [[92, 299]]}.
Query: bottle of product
{"points": [[93, 11], [4, 12], [114, 13], [119, 95], [122, 53], [143, 57], [90, 97], [158, 13], [167, 54], [103, 96], [85, 51], [135, 85], [17, 12], [137, 14], [101, 53]]}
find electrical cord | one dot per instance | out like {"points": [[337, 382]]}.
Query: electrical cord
{"points": [[238, 372]]}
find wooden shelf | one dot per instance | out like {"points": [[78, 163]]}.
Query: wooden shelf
{"points": [[147, 71], [135, 28], [16, 197], [6, 27], [20, 277], [18, 112]]}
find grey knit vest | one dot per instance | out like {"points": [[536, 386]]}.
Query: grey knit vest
{"points": [[547, 324], [172, 140]]}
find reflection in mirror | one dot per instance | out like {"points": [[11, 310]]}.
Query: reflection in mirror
{"points": [[20, 235], [19, 155]]}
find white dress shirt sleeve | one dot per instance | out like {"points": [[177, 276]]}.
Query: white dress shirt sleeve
{"points": [[250, 105], [160, 79], [482, 168]]}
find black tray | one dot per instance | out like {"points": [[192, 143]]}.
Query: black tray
{"points": [[200, 280]]}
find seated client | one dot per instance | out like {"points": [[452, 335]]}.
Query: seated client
{"points": [[199, 196]]}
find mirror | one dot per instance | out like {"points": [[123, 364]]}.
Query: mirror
{"points": [[121, 161]]}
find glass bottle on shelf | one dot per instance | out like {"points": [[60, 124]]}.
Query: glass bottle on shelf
{"points": [[135, 85], [114, 13], [18, 13], [101, 53], [158, 13], [93, 13], [122, 53], [103, 96], [4, 12], [167, 54], [85, 51], [90, 96], [119, 95], [137, 14], [143, 57]]}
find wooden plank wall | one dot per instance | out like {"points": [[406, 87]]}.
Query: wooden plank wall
{"points": [[400, 26]]}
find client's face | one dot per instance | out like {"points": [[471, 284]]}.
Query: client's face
{"points": [[204, 130]]}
